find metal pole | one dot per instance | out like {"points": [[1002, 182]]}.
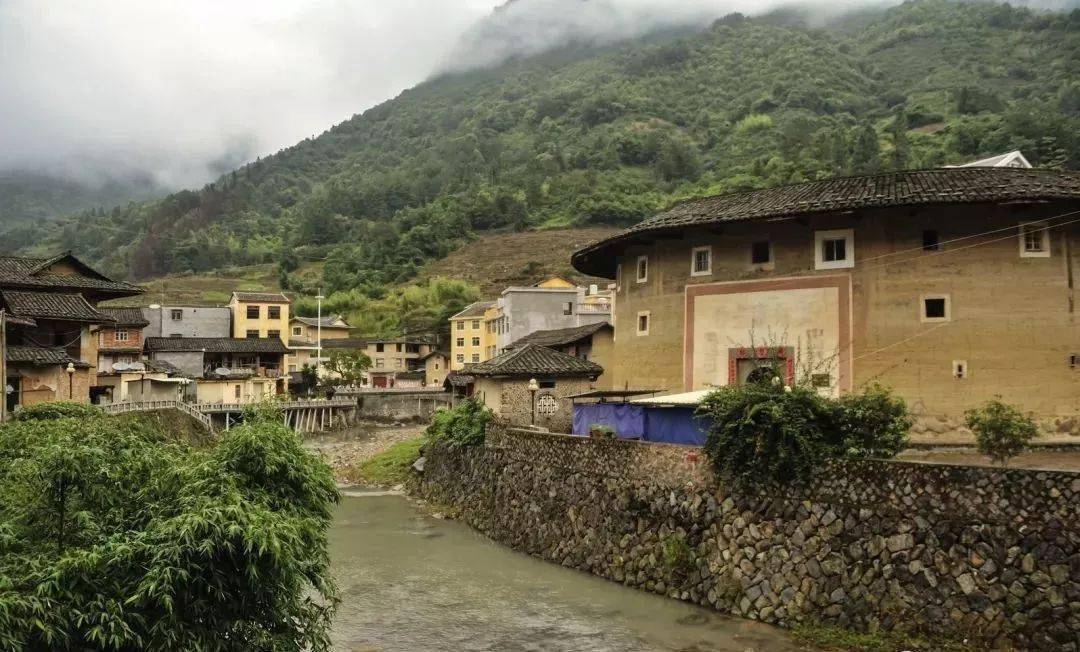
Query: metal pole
{"points": [[318, 330]]}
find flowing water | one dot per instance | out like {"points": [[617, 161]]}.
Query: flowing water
{"points": [[411, 582]]}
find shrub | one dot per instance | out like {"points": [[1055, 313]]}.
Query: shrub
{"points": [[57, 410], [112, 537], [1001, 431], [765, 433], [874, 423], [463, 425]]}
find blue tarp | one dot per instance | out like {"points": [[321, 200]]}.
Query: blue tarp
{"points": [[628, 421], [671, 425]]}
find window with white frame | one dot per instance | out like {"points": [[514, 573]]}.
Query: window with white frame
{"points": [[121, 335], [935, 308], [701, 261], [460, 341], [460, 357], [643, 319], [834, 249], [1034, 240], [642, 269]]}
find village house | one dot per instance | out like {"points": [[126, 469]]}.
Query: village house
{"points": [[260, 314], [436, 367], [593, 342], [390, 357], [531, 385], [50, 326], [952, 286], [226, 369], [187, 321], [486, 328], [305, 334], [122, 340]]}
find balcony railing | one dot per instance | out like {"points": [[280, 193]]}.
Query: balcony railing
{"points": [[594, 308]]}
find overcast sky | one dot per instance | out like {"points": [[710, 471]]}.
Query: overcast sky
{"points": [[178, 87]]}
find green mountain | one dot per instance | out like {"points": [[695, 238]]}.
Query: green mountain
{"points": [[608, 135]]}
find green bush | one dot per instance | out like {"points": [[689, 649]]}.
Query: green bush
{"points": [[463, 425], [873, 423], [1001, 431], [764, 433], [57, 410], [113, 537]]}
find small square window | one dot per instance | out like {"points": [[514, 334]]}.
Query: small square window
{"points": [[273, 312], [461, 325], [475, 324], [476, 341], [935, 308], [459, 342], [121, 335], [1034, 240], [761, 252], [252, 333], [642, 269], [930, 241], [298, 330], [379, 362], [476, 357], [273, 333], [461, 357], [643, 323], [380, 347], [834, 249], [959, 369], [701, 261], [177, 314], [568, 308], [253, 312]]}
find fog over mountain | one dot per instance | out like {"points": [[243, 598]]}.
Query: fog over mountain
{"points": [[181, 92]]}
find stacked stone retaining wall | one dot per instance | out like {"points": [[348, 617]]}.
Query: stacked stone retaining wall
{"points": [[969, 552]]}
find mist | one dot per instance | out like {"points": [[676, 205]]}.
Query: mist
{"points": [[182, 91]]}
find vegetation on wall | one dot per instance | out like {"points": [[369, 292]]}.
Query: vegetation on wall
{"points": [[114, 537], [610, 135], [767, 434], [463, 425], [1001, 431]]}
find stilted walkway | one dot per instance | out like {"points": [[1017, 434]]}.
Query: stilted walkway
{"points": [[302, 416]]}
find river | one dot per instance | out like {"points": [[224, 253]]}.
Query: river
{"points": [[410, 582]]}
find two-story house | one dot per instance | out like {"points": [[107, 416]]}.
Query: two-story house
{"points": [[50, 326], [260, 314], [226, 369], [305, 334], [122, 340]]}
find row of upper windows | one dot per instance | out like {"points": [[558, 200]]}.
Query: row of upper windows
{"points": [[461, 341], [269, 333], [461, 357], [932, 308], [255, 312], [475, 324], [835, 249]]}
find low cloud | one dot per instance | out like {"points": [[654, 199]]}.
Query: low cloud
{"points": [[185, 90]]}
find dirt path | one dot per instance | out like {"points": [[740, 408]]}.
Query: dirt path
{"points": [[347, 448]]}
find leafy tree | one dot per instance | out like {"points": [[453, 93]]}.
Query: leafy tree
{"points": [[901, 148], [348, 365], [1001, 431], [463, 425], [866, 154], [114, 537]]}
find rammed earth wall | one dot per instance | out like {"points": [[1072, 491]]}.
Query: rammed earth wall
{"points": [[970, 552]]}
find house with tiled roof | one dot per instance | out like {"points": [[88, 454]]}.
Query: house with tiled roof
{"points": [[51, 321], [307, 333], [121, 340], [260, 314], [951, 285], [593, 342], [225, 369], [531, 385]]}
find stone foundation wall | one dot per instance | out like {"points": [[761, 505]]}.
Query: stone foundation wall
{"points": [[973, 552], [398, 405]]}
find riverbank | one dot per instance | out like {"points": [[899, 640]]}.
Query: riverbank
{"points": [[348, 449]]}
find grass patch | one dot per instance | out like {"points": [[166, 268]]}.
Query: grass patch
{"points": [[391, 466], [838, 638]]}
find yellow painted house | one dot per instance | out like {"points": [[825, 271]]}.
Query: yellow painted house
{"points": [[471, 338], [260, 314]]}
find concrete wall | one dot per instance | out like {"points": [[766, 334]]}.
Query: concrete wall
{"points": [[985, 554], [194, 322], [417, 405], [538, 309], [1014, 322], [189, 362]]}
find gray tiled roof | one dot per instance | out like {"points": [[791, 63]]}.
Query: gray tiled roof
{"points": [[125, 316], [908, 188], [327, 322], [560, 336], [52, 305], [533, 360], [262, 297], [41, 356], [216, 344], [31, 273], [475, 309]]}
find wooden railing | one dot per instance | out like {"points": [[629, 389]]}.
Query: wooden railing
{"points": [[147, 406]]}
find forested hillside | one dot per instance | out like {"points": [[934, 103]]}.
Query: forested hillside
{"points": [[607, 136]]}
